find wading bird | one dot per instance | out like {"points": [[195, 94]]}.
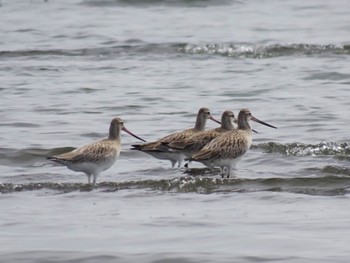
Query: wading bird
{"points": [[159, 151], [94, 158], [226, 150]]}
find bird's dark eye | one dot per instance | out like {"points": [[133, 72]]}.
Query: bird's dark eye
{"points": [[208, 113]]}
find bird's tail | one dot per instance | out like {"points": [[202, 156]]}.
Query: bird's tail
{"points": [[136, 147], [57, 160], [171, 148]]}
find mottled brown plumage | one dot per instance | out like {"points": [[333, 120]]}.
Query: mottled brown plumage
{"points": [[226, 150], [157, 148], [96, 157], [197, 141]]}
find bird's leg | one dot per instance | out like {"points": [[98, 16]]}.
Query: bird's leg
{"points": [[89, 178], [225, 172], [222, 172], [229, 169], [94, 180], [172, 163]]}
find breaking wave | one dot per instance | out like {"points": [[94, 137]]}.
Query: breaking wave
{"points": [[264, 51], [327, 185], [338, 149], [232, 50]]}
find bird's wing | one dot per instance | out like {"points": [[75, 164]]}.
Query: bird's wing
{"points": [[177, 136], [150, 147], [223, 147], [160, 145], [200, 140], [91, 152]]}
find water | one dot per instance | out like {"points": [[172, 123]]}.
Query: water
{"points": [[68, 67]]}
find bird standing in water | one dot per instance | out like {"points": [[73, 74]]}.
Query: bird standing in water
{"points": [[226, 150], [197, 141], [94, 158], [159, 151]]}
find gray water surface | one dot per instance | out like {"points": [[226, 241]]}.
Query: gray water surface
{"points": [[68, 67]]}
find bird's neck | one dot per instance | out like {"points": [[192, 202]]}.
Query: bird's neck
{"points": [[227, 125], [114, 132], [244, 125], [200, 123]]}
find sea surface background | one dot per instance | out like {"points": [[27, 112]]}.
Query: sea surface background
{"points": [[67, 67]]}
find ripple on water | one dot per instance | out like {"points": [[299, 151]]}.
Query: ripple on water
{"points": [[327, 185]]}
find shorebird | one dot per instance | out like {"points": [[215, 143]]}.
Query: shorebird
{"points": [[197, 141], [226, 150], [159, 151], [96, 157]]}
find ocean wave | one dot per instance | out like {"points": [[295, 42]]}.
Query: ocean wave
{"points": [[232, 50], [124, 48], [29, 156], [327, 185], [264, 51], [32, 256], [187, 3], [338, 149]]}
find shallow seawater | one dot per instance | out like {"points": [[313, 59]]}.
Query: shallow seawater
{"points": [[68, 67], [156, 226]]}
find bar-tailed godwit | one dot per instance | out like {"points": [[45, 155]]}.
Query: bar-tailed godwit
{"points": [[226, 150], [159, 151], [197, 141], [94, 158]]}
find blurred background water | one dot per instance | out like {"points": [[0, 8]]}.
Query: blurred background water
{"points": [[68, 67]]}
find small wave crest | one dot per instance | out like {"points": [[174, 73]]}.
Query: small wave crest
{"points": [[232, 50], [264, 51], [328, 185], [299, 149], [100, 52], [29, 156], [188, 3]]}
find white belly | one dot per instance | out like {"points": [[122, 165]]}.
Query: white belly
{"points": [[172, 156], [93, 167], [228, 163]]}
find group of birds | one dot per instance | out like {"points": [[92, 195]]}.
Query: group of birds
{"points": [[221, 147]]}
